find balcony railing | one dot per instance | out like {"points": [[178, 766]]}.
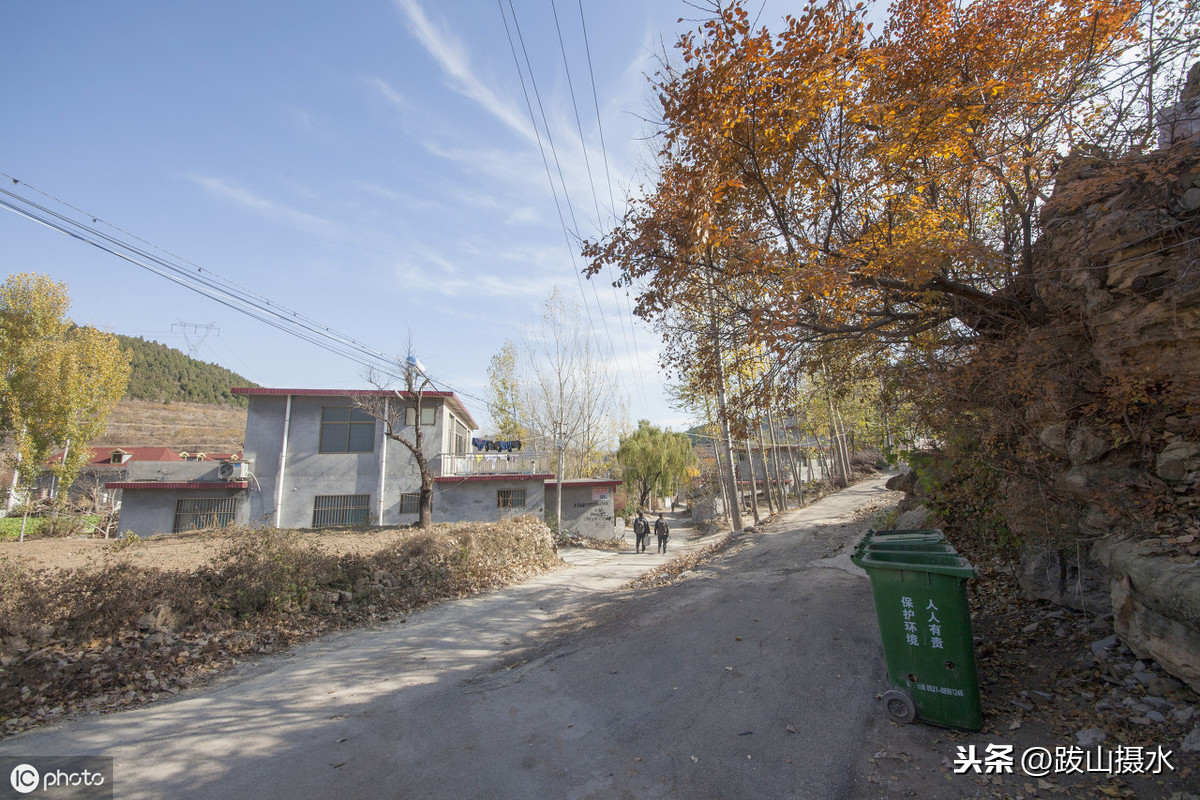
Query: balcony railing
{"points": [[518, 463]]}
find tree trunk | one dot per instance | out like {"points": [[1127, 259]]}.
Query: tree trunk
{"points": [[753, 485], [762, 449], [735, 509], [425, 509], [845, 452], [781, 486], [724, 493]]}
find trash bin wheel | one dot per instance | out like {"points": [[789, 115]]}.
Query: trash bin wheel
{"points": [[900, 707]]}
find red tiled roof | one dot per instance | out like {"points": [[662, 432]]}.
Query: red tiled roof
{"points": [[179, 485], [102, 456]]}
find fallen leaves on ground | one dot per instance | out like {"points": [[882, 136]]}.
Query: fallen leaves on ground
{"points": [[98, 639]]}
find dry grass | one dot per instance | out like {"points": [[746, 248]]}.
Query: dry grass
{"points": [[119, 633], [190, 427]]}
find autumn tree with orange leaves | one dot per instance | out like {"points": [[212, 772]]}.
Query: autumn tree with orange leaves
{"points": [[841, 183], [833, 183]]}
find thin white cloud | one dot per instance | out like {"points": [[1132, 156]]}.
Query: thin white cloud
{"points": [[244, 198], [435, 274], [452, 57], [371, 188], [523, 216], [388, 91]]}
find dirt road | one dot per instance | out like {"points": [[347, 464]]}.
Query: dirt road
{"points": [[754, 675]]}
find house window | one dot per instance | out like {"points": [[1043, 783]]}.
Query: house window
{"points": [[510, 498], [204, 512], [460, 437], [410, 502], [347, 430], [428, 415], [338, 510]]}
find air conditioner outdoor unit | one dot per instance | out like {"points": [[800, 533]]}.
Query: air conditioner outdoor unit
{"points": [[233, 470]]}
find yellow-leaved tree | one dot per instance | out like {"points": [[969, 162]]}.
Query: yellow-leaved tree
{"points": [[58, 381]]}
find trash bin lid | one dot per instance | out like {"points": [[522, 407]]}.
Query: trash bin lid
{"points": [[950, 564], [918, 545], [903, 540]]}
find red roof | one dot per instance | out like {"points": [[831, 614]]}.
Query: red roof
{"points": [[179, 485], [102, 456], [260, 391], [475, 478], [578, 482]]}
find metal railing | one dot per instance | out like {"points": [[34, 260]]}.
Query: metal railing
{"points": [[518, 463]]}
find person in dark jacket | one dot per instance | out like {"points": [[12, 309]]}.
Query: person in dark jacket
{"points": [[663, 531], [641, 530]]}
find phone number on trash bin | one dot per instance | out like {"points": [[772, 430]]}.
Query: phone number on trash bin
{"points": [[924, 687]]}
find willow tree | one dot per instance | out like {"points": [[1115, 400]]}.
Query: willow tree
{"points": [[651, 458], [58, 381]]}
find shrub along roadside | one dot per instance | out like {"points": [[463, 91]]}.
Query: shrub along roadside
{"points": [[117, 635]]}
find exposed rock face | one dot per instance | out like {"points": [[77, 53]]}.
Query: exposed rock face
{"points": [[1116, 417], [1075, 582], [1156, 606]]}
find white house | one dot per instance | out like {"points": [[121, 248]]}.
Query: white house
{"points": [[313, 459]]}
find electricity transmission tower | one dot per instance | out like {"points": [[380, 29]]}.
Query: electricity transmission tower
{"points": [[194, 333]]}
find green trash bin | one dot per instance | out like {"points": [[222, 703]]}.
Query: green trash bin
{"points": [[925, 626], [911, 547], [903, 540]]}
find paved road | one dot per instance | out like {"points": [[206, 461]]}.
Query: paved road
{"points": [[754, 676]]}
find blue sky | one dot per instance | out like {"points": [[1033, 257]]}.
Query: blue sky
{"points": [[370, 164]]}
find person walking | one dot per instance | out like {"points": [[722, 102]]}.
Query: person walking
{"points": [[663, 531], [641, 530]]}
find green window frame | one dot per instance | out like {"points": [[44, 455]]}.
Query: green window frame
{"points": [[346, 430]]}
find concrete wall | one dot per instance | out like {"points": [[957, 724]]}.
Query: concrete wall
{"points": [[475, 500], [587, 509], [308, 473], [147, 512], [173, 471]]}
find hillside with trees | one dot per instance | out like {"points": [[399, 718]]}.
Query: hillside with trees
{"points": [[161, 373]]}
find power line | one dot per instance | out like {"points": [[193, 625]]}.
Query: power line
{"points": [[573, 229], [206, 282], [197, 279], [627, 317]]}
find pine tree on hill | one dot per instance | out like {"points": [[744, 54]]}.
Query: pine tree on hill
{"points": [[162, 373]]}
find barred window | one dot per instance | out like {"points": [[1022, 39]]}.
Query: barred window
{"points": [[341, 509], [347, 430], [410, 502], [510, 498], [197, 513]]}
